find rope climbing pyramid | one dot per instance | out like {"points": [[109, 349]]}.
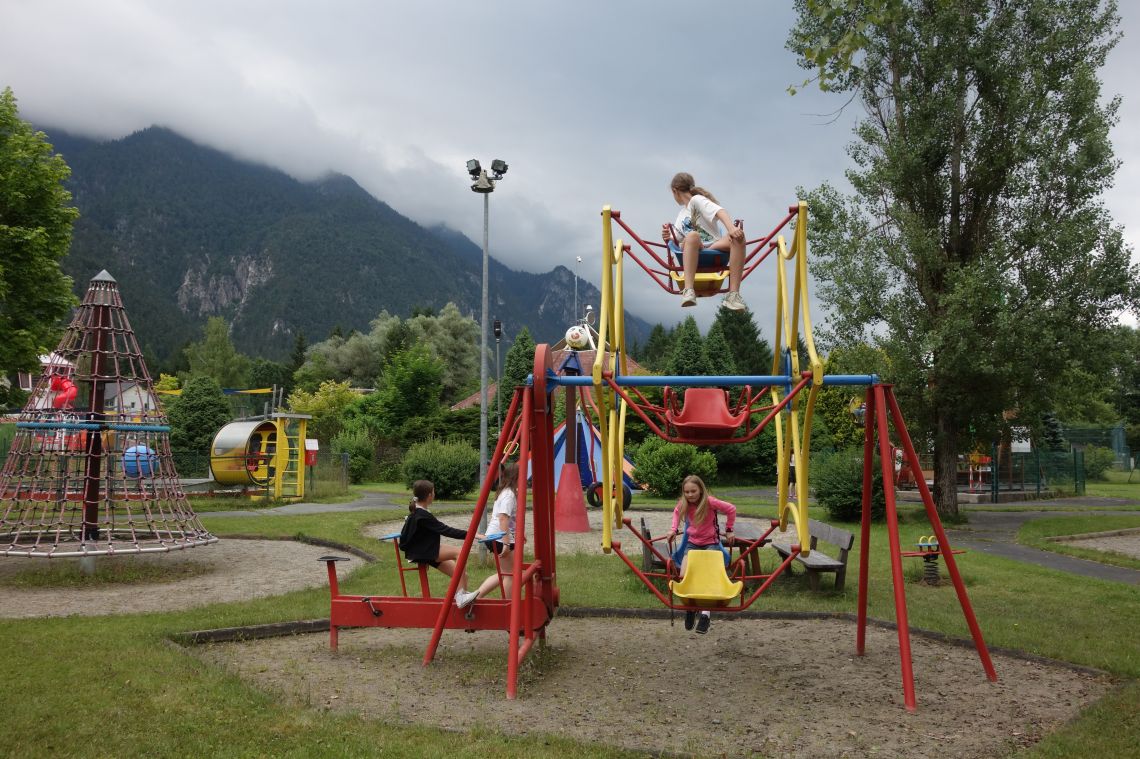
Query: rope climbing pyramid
{"points": [[90, 470]]}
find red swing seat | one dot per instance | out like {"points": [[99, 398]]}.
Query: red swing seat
{"points": [[705, 414]]}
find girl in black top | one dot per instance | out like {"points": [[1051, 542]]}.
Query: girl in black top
{"points": [[420, 536]]}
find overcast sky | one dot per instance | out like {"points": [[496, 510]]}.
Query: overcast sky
{"points": [[589, 103]]}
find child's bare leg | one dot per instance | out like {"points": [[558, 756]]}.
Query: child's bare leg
{"points": [[735, 264], [690, 253], [447, 558]]}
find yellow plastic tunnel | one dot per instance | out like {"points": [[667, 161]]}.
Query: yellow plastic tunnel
{"points": [[243, 453]]}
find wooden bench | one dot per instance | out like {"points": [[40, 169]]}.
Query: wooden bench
{"points": [[817, 562], [745, 535]]}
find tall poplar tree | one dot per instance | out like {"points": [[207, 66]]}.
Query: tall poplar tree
{"points": [[976, 249], [35, 233]]}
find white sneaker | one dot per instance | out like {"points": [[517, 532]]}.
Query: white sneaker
{"points": [[688, 297], [464, 598], [733, 302]]}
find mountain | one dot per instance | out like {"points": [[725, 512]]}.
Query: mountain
{"points": [[190, 232]]}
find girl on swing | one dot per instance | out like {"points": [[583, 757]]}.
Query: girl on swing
{"points": [[420, 535], [696, 229], [697, 510]]}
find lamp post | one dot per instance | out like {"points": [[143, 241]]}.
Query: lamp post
{"points": [[497, 327], [576, 289], [484, 185]]}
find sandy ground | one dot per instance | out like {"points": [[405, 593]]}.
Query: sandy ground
{"points": [[1127, 544], [236, 570], [770, 687]]}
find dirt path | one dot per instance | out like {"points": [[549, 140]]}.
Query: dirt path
{"points": [[774, 687], [234, 570]]}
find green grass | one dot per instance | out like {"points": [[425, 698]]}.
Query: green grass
{"points": [[1115, 485], [114, 570], [113, 683], [1034, 534]]}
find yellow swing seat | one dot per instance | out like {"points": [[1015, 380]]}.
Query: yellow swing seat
{"points": [[705, 283], [705, 579]]}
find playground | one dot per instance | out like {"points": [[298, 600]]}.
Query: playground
{"points": [[596, 657]]}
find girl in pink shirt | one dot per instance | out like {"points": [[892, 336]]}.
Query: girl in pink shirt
{"points": [[698, 510]]}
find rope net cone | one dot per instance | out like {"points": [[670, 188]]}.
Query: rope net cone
{"points": [[90, 470]]}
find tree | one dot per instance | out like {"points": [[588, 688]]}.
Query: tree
{"points": [[215, 356], [750, 352], [721, 361], [35, 233], [975, 249], [519, 363], [453, 340], [657, 348], [689, 357], [413, 384], [325, 405], [195, 417], [265, 373], [297, 357]]}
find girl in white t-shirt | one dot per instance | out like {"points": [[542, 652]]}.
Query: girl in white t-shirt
{"points": [[502, 520], [696, 228]]}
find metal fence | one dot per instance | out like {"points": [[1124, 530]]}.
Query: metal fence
{"points": [[327, 477], [1035, 472]]}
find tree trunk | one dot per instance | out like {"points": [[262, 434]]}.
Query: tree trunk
{"points": [[945, 464]]}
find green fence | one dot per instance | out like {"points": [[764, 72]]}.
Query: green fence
{"points": [[1039, 471]]}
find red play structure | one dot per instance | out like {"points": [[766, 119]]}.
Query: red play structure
{"points": [[706, 414]]}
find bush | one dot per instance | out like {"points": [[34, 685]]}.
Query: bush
{"points": [[356, 442], [1098, 460], [837, 480], [452, 466], [661, 466]]}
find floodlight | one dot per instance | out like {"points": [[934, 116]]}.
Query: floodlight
{"points": [[498, 168], [473, 168]]}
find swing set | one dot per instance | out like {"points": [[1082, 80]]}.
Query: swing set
{"points": [[705, 414]]}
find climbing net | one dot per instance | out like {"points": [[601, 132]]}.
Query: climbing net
{"points": [[90, 470]]}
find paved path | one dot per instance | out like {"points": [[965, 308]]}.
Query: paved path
{"points": [[995, 532], [369, 501]]}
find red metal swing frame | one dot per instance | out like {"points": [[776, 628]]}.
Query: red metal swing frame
{"points": [[761, 248]]}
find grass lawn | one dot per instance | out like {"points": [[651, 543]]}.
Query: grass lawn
{"points": [[1115, 485], [114, 686], [1035, 534]]}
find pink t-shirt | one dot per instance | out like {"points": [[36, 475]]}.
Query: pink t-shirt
{"points": [[704, 534]]}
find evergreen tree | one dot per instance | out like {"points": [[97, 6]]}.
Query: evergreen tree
{"points": [[976, 250], [297, 357], [216, 356], [519, 363], [263, 373], [658, 348], [689, 356], [195, 417], [36, 217], [750, 353], [719, 352]]}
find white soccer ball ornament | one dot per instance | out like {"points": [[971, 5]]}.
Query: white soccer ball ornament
{"points": [[577, 337]]}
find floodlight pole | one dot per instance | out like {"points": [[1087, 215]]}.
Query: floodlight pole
{"points": [[484, 185], [483, 343], [576, 288]]}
